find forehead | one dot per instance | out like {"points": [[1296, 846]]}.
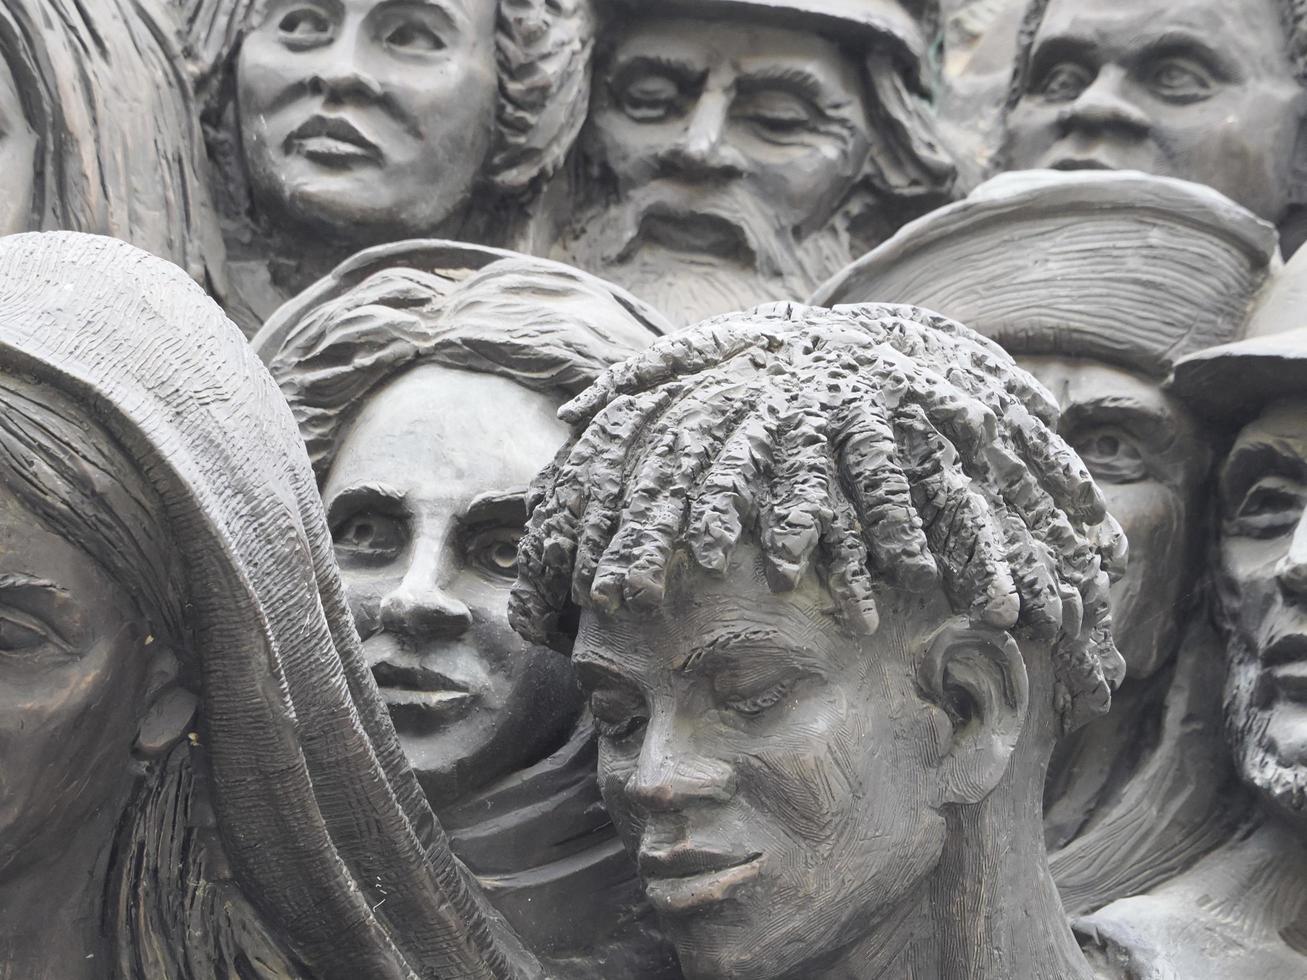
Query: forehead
{"points": [[745, 48], [1078, 381], [1281, 430], [435, 426], [28, 549], [1251, 27]]}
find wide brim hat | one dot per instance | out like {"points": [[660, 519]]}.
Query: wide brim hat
{"points": [[1128, 268], [856, 23], [450, 261]]}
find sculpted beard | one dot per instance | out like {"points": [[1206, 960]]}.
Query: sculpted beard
{"points": [[693, 255], [1246, 726]]}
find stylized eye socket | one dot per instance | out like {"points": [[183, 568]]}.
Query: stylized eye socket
{"points": [[493, 550], [369, 535], [304, 26], [1181, 80], [649, 96], [775, 112], [24, 634], [1272, 506], [617, 715], [413, 36], [1064, 82], [1111, 455]]}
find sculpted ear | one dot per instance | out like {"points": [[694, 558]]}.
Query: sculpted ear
{"points": [[169, 709], [977, 677]]}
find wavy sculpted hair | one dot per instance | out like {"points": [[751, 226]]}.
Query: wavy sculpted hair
{"points": [[879, 446]]}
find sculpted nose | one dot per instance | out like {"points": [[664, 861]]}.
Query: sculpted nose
{"points": [[343, 79], [702, 149], [1292, 568], [670, 776], [424, 610], [1104, 108]]}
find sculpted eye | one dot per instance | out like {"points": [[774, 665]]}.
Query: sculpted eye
{"points": [[1065, 82], [415, 37], [756, 704], [617, 715], [304, 26], [1272, 506], [1111, 455], [21, 633], [493, 550], [649, 97], [370, 536], [775, 113], [1181, 80]]}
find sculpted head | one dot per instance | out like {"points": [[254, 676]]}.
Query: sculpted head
{"points": [[820, 573], [1102, 337], [1207, 90], [370, 121], [734, 144], [427, 407]]}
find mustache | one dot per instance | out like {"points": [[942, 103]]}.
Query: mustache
{"points": [[358, 94]]}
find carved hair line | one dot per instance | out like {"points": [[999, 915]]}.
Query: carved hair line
{"points": [[545, 326], [878, 446]]}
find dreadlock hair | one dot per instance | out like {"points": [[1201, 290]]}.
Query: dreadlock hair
{"points": [[877, 445]]}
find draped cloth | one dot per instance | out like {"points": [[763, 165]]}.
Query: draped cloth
{"points": [[325, 827]]}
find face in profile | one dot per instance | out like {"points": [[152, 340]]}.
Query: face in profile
{"points": [[360, 117], [728, 142], [1263, 585], [18, 144], [769, 769], [73, 675], [426, 504], [1202, 90], [1145, 454]]}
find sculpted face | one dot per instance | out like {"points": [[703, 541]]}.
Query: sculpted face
{"points": [[18, 145], [361, 118], [1202, 90], [73, 668], [426, 505], [730, 143], [1146, 455], [769, 769], [1263, 585]]}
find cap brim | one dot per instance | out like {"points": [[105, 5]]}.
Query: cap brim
{"points": [[1233, 383]]}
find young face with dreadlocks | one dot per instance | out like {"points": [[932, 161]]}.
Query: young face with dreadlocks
{"points": [[837, 578]]}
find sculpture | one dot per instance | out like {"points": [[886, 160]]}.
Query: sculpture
{"points": [[1242, 910], [1099, 317], [744, 150], [834, 587], [427, 396], [162, 535], [335, 126], [1206, 91], [97, 132]]}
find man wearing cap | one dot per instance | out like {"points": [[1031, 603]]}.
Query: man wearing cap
{"points": [[1093, 282], [1242, 911], [743, 150]]}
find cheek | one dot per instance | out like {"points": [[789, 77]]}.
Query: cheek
{"points": [[454, 111], [1152, 517], [1030, 133], [615, 769], [262, 71], [1247, 579]]}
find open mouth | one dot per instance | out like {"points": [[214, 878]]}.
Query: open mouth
{"points": [[1285, 659], [694, 232], [684, 879], [332, 141], [420, 699]]}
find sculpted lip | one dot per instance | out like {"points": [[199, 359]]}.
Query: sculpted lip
{"points": [[1286, 660], [684, 879], [332, 140], [419, 697]]}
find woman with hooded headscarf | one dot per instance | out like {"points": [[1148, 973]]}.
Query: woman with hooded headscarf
{"points": [[98, 131], [177, 659]]}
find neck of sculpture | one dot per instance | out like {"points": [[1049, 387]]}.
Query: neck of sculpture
{"points": [[51, 912], [990, 910]]}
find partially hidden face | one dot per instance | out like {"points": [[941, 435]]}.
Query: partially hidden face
{"points": [[426, 505], [1147, 456], [1202, 90], [360, 118], [73, 674], [18, 147], [1263, 583], [706, 124], [769, 770]]}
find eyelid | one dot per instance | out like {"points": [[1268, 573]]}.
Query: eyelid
{"points": [[35, 624]]}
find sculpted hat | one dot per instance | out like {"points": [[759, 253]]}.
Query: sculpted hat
{"points": [[1232, 383], [1121, 267], [856, 22]]}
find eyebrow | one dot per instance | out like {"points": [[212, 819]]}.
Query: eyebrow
{"points": [[17, 580], [724, 644], [793, 78], [503, 505], [1120, 408], [363, 493], [655, 62], [1260, 456]]}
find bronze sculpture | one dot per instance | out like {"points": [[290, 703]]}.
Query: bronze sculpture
{"points": [[834, 587], [743, 150], [427, 395], [1108, 305]]}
